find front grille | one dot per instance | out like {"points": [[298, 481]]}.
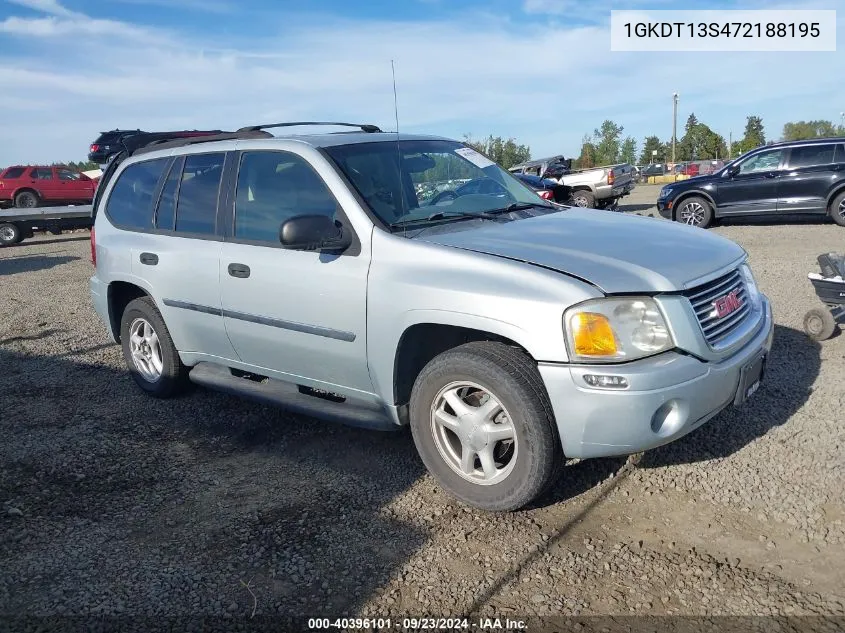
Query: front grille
{"points": [[702, 297]]}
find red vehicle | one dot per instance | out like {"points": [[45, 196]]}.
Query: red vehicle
{"points": [[33, 186]]}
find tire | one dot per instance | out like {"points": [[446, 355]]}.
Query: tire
{"points": [[9, 234], [171, 377], [819, 324], [27, 200], [520, 469], [837, 209], [695, 211], [584, 199]]}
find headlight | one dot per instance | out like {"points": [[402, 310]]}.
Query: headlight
{"points": [[665, 192], [751, 286], [616, 329]]}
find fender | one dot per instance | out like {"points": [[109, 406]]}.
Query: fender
{"points": [[382, 350]]}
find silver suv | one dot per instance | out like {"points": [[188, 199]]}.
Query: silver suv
{"points": [[356, 276]]}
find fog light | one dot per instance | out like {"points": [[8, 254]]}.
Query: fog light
{"points": [[606, 382]]}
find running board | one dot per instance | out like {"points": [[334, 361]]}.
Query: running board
{"points": [[289, 397]]}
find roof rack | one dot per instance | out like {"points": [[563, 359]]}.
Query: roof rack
{"points": [[151, 145], [364, 127]]}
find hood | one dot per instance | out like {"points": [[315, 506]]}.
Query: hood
{"points": [[616, 252]]}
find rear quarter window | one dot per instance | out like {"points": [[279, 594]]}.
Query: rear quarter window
{"points": [[130, 203], [13, 172]]}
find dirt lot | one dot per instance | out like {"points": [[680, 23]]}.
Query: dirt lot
{"points": [[114, 503]]}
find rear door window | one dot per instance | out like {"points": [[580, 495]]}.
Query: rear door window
{"points": [[811, 156], [42, 173], [199, 186], [130, 204]]}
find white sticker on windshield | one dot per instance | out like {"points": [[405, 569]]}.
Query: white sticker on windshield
{"points": [[479, 160]]}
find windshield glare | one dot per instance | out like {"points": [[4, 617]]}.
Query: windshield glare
{"points": [[436, 177]]}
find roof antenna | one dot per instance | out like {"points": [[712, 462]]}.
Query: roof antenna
{"points": [[398, 151]]}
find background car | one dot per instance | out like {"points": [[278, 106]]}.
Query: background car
{"points": [[109, 143], [547, 189], [655, 169], [43, 185], [795, 177], [552, 167]]}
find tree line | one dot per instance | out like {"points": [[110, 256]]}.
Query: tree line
{"points": [[606, 145]]}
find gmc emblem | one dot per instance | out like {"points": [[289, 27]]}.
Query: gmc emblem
{"points": [[727, 304]]}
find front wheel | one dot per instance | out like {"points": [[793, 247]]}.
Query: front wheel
{"points": [[149, 352], [837, 209], [695, 211], [483, 426]]}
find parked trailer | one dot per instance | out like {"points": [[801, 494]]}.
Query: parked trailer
{"points": [[17, 225]]}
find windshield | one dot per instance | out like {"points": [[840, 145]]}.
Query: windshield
{"points": [[445, 179]]}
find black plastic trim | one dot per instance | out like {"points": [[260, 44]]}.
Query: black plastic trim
{"points": [[316, 330]]}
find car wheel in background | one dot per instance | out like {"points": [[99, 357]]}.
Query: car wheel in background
{"points": [[483, 426], [9, 234], [26, 200], [837, 209], [819, 324], [149, 352], [695, 211], [584, 199]]}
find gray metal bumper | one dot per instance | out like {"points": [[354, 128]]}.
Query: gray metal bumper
{"points": [[668, 396], [100, 299]]}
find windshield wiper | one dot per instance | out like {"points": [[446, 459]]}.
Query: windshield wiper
{"points": [[519, 206], [448, 215]]}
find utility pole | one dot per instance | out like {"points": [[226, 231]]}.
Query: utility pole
{"points": [[674, 124], [842, 120], [730, 145]]}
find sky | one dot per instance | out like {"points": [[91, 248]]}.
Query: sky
{"points": [[540, 71]]}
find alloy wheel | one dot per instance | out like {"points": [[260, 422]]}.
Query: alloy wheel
{"points": [[692, 213], [474, 433], [145, 349]]}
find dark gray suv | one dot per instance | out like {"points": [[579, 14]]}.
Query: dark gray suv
{"points": [[779, 179]]}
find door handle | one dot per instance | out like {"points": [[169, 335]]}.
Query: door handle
{"points": [[239, 270], [150, 259], [771, 174]]}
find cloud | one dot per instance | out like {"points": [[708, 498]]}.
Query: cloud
{"points": [[208, 6], [45, 6], [544, 86]]}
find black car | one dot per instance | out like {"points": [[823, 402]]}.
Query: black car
{"points": [[806, 177], [110, 143], [654, 169]]}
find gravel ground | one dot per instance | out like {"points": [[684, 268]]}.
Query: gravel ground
{"points": [[117, 504]]}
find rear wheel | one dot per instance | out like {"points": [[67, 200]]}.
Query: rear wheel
{"points": [[695, 211], [837, 209], [584, 199], [149, 352], [483, 426], [26, 200], [819, 324], [9, 234]]}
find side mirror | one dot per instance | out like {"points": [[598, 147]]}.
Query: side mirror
{"points": [[314, 233], [733, 170]]}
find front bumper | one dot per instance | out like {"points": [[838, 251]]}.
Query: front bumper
{"points": [[664, 208], [668, 396]]}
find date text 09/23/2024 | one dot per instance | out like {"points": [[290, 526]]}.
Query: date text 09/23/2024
{"points": [[417, 624]]}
